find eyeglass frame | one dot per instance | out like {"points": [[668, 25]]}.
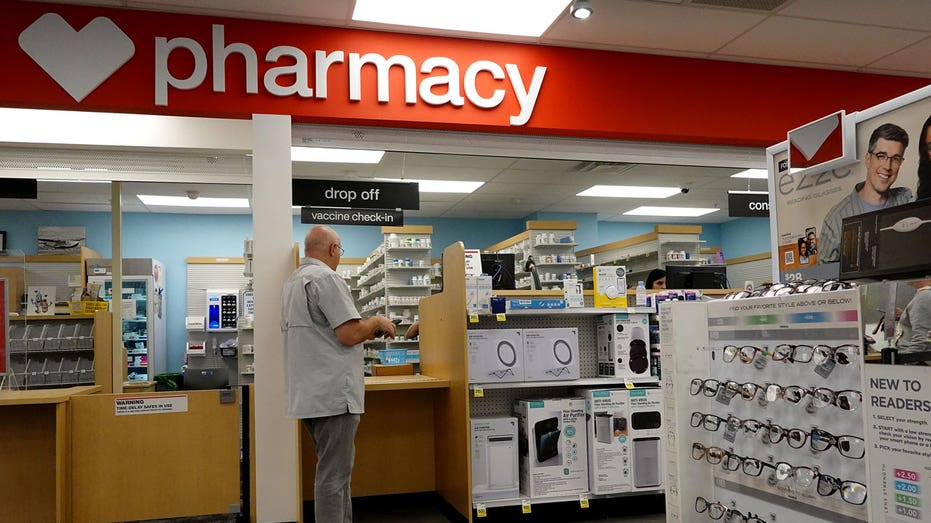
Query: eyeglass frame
{"points": [[703, 421], [742, 466], [706, 454], [740, 353], [784, 435], [894, 160], [707, 507], [834, 441], [837, 485], [834, 395]]}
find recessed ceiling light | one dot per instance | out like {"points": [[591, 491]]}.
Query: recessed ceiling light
{"points": [[70, 180], [326, 155], [445, 186], [629, 191], [184, 201], [670, 211], [513, 17], [747, 192], [757, 174]]}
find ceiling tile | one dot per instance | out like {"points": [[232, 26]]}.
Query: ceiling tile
{"points": [[656, 26], [818, 42], [901, 14], [915, 59]]}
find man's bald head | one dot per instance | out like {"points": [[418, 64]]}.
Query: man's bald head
{"points": [[318, 241]]}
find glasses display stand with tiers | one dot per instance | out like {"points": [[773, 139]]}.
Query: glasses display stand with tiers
{"points": [[765, 406]]}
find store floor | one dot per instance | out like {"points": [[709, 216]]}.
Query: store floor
{"points": [[430, 508]]}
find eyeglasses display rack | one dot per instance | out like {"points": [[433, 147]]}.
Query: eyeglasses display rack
{"points": [[764, 404]]}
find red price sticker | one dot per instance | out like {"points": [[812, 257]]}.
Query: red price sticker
{"points": [[907, 475]]}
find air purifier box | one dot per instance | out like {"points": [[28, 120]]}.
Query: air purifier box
{"points": [[646, 436], [609, 452], [483, 286], [624, 346], [551, 354], [610, 286], [553, 449], [471, 288], [494, 458], [496, 355]]}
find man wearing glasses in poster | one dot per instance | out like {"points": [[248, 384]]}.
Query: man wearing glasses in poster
{"points": [[884, 156]]}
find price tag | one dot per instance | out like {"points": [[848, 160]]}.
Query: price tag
{"points": [[500, 316], [629, 384], [730, 429], [583, 501], [473, 318], [825, 368], [524, 506], [478, 391], [480, 510]]}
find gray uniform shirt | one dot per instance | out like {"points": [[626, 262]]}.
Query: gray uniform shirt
{"points": [[323, 377], [852, 205], [916, 322]]}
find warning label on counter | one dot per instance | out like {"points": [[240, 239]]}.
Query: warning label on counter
{"points": [[150, 404]]}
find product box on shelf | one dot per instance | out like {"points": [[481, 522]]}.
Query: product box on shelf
{"points": [[609, 452], [610, 286], [551, 354], [536, 304], [624, 346], [553, 449], [496, 355], [646, 437], [494, 458], [478, 294]]}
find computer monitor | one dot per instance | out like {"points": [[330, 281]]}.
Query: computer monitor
{"points": [[501, 269], [206, 379], [696, 276]]}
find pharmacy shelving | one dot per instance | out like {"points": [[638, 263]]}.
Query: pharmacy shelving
{"points": [[552, 246]]}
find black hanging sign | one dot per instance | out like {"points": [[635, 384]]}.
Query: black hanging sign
{"points": [[345, 216], [748, 205], [362, 195], [21, 188]]}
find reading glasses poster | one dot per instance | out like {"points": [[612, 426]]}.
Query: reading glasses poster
{"points": [[897, 406], [810, 207]]}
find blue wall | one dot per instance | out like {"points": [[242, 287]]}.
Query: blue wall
{"points": [[745, 236], [172, 238]]}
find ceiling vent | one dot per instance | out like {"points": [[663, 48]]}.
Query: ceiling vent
{"points": [[750, 5], [603, 167]]}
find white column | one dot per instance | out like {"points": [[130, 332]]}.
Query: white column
{"points": [[276, 456]]}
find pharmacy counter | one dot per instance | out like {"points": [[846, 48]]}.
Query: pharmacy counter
{"points": [[35, 441], [395, 441]]}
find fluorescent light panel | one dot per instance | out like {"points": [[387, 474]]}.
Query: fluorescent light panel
{"points": [[443, 186], [629, 191], [670, 211], [184, 201], [327, 155], [511, 17], [756, 174], [70, 180], [747, 192]]}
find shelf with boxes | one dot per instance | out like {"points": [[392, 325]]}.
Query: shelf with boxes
{"points": [[551, 247], [540, 360]]}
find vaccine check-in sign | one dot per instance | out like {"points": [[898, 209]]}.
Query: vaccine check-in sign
{"points": [[354, 203]]}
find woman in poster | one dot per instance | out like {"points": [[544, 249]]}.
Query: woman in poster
{"points": [[924, 161]]}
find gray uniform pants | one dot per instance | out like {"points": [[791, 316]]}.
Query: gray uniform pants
{"points": [[334, 437]]}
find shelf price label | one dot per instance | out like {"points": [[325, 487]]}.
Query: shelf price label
{"points": [[480, 510], [583, 501], [500, 317], [478, 391], [629, 384], [473, 318], [525, 506]]}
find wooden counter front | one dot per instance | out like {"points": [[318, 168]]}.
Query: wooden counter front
{"points": [[395, 440], [35, 453]]}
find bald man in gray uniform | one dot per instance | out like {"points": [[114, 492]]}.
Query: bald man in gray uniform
{"points": [[324, 384]]}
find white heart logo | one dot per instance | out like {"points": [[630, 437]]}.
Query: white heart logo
{"points": [[78, 60]]}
